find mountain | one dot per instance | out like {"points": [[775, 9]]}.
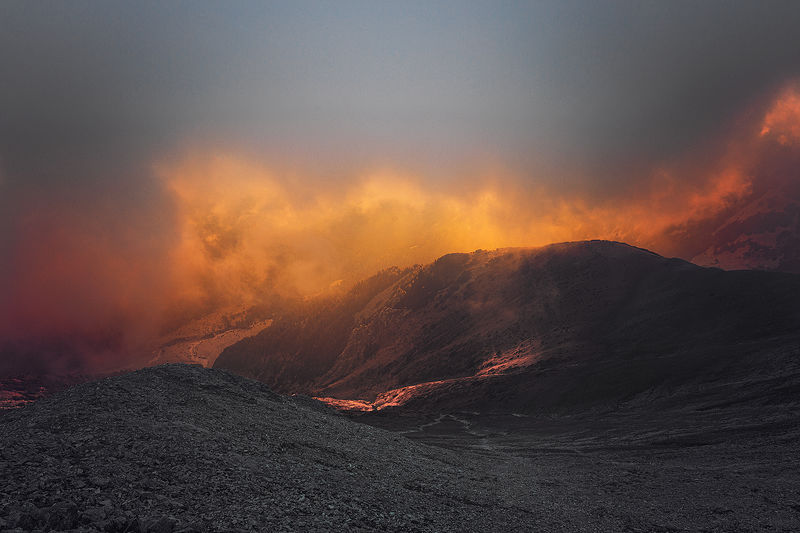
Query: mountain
{"points": [[763, 235], [305, 340], [761, 230], [202, 339], [581, 325]]}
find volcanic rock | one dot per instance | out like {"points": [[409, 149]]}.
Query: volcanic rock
{"points": [[180, 447]]}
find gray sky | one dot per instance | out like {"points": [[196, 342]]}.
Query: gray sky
{"points": [[91, 90]]}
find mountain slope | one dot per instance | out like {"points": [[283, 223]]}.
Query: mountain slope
{"points": [[764, 235], [180, 447], [201, 340], [583, 324], [304, 342]]}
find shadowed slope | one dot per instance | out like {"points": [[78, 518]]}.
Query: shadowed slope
{"points": [[567, 325], [764, 235], [304, 341]]}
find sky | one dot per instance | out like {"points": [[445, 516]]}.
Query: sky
{"points": [[162, 160]]}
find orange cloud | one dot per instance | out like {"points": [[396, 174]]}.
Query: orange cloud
{"points": [[241, 232], [782, 120], [245, 231]]}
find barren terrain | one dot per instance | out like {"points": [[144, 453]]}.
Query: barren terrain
{"points": [[182, 448]]}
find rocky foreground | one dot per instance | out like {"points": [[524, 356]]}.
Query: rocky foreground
{"points": [[182, 448]]}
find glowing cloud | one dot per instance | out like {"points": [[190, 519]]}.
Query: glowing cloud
{"points": [[240, 233], [246, 233], [782, 121]]}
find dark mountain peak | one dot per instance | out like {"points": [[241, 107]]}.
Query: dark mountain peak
{"points": [[554, 327]]}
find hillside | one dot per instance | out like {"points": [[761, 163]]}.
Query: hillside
{"points": [[566, 326], [179, 447], [182, 449], [763, 235]]}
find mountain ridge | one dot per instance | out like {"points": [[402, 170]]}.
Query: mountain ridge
{"points": [[526, 328]]}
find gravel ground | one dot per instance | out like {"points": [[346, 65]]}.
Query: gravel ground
{"points": [[683, 469], [182, 448]]}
